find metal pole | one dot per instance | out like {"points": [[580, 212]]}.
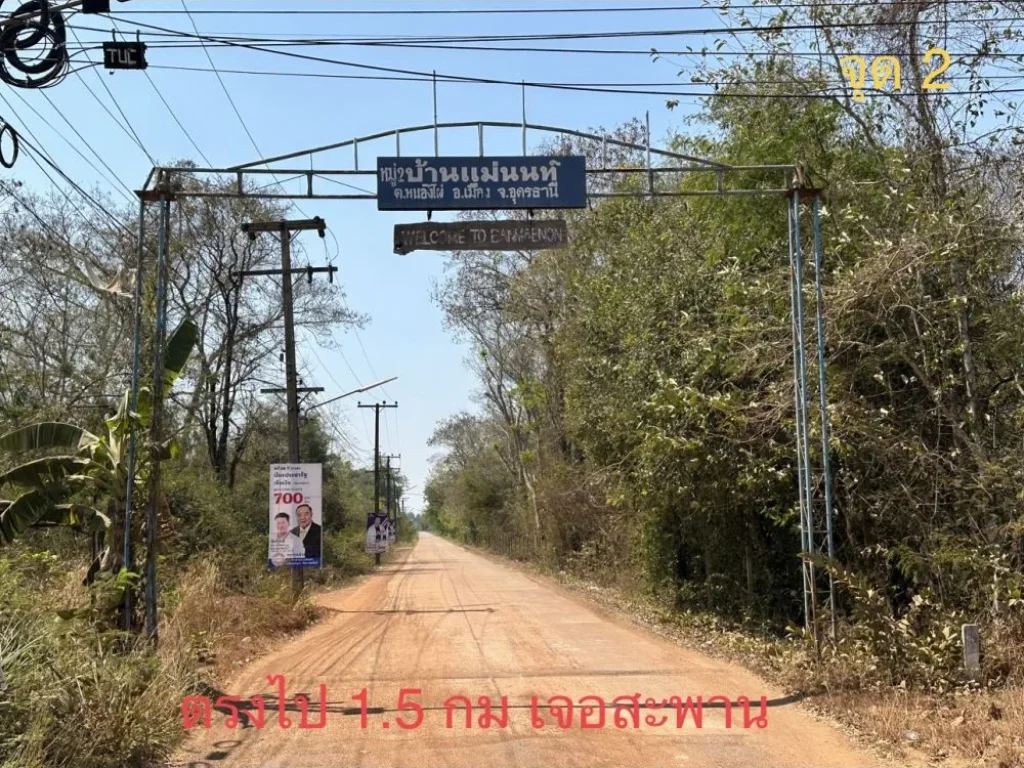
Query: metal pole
{"points": [[806, 432], [129, 495], [799, 419], [388, 482], [376, 469], [156, 424], [290, 374], [823, 391], [650, 173], [524, 118], [437, 142]]}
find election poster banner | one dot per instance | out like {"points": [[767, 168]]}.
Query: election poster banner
{"points": [[392, 524], [376, 533], [296, 516]]}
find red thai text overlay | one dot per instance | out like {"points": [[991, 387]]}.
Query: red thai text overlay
{"points": [[557, 712]]}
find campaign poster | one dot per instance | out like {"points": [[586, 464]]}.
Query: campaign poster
{"points": [[296, 516], [376, 533], [392, 525]]}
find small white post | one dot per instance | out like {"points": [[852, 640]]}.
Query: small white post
{"points": [[972, 650]]}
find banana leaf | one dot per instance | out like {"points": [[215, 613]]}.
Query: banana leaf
{"points": [[179, 348], [19, 515], [47, 434], [42, 473]]}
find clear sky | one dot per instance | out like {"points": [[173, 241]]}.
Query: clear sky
{"points": [[405, 336]]}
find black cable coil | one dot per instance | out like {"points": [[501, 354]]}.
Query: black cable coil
{"points": [[34, 23]]}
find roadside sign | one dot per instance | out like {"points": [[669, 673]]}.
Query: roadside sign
{"points": [[527, 235], [124, 55], [296, 516], [376, 533], [479, 183]]}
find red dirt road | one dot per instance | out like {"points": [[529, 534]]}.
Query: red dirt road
{"points": [[451, 622]]}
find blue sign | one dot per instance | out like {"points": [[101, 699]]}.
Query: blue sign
{"points": [[478, 183]]}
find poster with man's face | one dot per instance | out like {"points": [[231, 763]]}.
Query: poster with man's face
{"points": [[296, 516], [376, 533]]}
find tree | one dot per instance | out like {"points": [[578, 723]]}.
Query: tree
{"points": [[240, 321], [66, 489]]}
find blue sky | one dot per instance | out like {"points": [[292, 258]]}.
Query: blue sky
{"points": [[405, 337]]}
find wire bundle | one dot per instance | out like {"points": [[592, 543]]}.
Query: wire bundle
{"points": [[34, 46]]}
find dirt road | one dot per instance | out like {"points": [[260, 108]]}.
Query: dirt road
{"points": [[450, 622]]}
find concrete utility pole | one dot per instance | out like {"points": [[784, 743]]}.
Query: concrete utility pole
{"points": [[284, 230], [163, 196], [377, 407], [391, 498]]}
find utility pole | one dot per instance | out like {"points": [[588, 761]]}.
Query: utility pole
{"points": [[164, 196], [391, 498], [387, 480], [377, 407], [284, 230]]}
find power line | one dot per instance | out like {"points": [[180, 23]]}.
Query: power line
{"points": [[66, 140], [42, 222], [395, 78], [647, 52], [516, 11], [220, 80], [130, 134], [9, 189], [366, 357], [184, 130], [355, 378], [168, 106], [231, 101], [171, 111], [496, 81], [412, 40], [35, 155], [38, 153], [127, 122]]}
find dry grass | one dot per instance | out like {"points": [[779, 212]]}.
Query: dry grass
{"points": [[76, 698], [977, 729], [221, 631], [965, 729]]}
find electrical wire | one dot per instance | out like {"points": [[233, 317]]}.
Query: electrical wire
{"points": [[223, 86], [366, 357], [42, 222], [647, 52], [231, 101], [110, 93], [37, 153], [397, 79], [336, 383], [523, 11], [172, 113], [174, 116], [495, 81], [9, 189], [113, 182], [130, 134], [253, 38]]}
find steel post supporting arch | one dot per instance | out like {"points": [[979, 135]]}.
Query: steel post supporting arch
{"points": [[779, 180]]}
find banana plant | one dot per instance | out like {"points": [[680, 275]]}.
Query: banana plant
{"points": [[92, 467]]}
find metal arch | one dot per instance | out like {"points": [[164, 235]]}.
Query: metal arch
{"points": [[160, 186], [262, 167], [479, 125]]}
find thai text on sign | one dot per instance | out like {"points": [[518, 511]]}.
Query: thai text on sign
{"points": [[478, 183]]}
